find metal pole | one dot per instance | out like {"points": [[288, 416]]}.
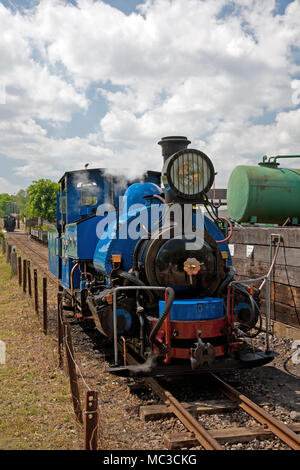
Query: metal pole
{"points": [[115, 311], [268, 292]]}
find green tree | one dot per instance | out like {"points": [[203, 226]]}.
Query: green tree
{"points": [[5, 204], [41, 199], [21, 200]]}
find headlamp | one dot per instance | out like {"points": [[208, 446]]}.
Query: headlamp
{"points": [[188, 174]]}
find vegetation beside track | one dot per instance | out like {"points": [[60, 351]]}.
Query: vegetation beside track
{"points": [[35, 406]]}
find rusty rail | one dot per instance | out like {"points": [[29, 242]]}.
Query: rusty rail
{"points": [[27, 245], [279, 429], [201, 434]]}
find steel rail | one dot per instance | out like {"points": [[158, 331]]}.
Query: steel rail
{"points": [[25, 244], [279, 429], [201, 434]]}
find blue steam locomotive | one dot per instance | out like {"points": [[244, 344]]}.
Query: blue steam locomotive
{"points": [[153, 272]]}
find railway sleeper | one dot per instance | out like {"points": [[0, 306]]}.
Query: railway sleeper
{"points": [[155, 412], [174, 441]]}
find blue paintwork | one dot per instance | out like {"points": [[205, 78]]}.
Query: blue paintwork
{"points": [[86, 239], [208, 308], [81, 238], [106, 188], [67, 265], [111, 242], [53, 253], [78, 244]]}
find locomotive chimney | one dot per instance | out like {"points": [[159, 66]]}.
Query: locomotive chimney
{"points": [[173, 144]]}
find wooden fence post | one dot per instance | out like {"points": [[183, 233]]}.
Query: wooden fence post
{"points": [[24, 275], [29, 278], [36, 292], [14, 261], [8, 253], [91, 420], [45, 313], [72, 372], [60, 329], [20, 270], [3, 246]]}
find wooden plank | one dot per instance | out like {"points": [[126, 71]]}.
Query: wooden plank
{"points": [[155, 412], [227, 435], [211, 406], [288, 276], [283, 313], [285, 256], [286, 331], [282, 293], [281, 330], [261, 235], [178, 440]]}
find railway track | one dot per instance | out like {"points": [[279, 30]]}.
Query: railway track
{"points": [[22, 241], [199, 435]]}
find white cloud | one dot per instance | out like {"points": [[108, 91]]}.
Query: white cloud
{"points": [[7, 187], [187, 67]]}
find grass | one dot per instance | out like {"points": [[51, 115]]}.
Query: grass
{"points": [[35, 406]]}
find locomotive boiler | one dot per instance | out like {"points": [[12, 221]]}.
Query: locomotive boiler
{"points": [[153, 272]]}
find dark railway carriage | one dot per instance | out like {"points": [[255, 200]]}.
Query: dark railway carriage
{"points": [[151, 270], [9, 223]]}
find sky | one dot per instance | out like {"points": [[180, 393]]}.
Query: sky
{"points": [[100, 82]]}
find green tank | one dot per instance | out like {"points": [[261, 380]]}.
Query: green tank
{"points": [[265, 193]]}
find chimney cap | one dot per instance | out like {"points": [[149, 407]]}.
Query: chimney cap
{"points": [[174, 138]]}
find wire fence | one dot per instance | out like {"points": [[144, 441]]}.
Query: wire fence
{"points": [[90, 418]]}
